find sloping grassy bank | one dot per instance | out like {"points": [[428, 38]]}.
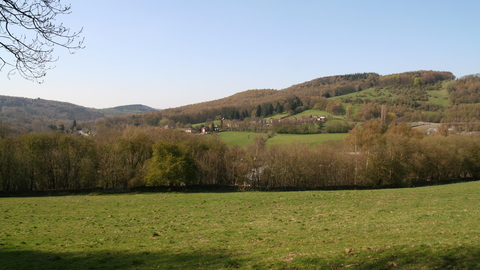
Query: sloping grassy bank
{"points": [[418, 228]]}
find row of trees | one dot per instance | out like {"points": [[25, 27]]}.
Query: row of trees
{"points": [[415, 78], [371, 155]]}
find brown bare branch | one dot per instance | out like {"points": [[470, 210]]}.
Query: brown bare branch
{"points": [[29, 33]]}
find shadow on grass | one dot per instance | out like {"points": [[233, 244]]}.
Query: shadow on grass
{"points": [[29, 259], [421, 257], [214, 189]]}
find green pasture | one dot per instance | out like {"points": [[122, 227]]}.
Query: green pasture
{"points": [[439, 97], [239, 138], [416, 228], [310, 139], [243, 138], [313, 112], [370, 94]]}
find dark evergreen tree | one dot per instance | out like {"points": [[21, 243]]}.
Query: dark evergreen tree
{"points": [[279, 108], [296, 102], [269, 109], [258, 113], [231, 115]]}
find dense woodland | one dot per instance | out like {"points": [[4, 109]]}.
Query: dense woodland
{"points": [[373, 155]]}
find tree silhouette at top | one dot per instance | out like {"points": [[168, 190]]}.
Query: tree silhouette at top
{"points": [[29, 32]]}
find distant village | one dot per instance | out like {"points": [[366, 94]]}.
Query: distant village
{"points": [[259, 124]]}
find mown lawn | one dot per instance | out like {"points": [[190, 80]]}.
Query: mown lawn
{"points": [[417, 228]]}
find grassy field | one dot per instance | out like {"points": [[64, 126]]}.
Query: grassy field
{"points": [[239, 138], [310, 139], [313, 112], [370, 94], [244, 138], [418, 228], [439, 97]]}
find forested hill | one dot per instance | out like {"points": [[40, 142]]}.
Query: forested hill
{"points": [[432, 96], [305, 95], [25, 114], [127, 110]]}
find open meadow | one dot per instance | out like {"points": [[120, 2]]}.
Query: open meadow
{"points": [[232, 138], [239, 138], [310, 139], [432, 227]]}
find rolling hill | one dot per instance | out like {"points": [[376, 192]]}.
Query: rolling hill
{"points": [[407, 91], [434, 96], [25, 114]]}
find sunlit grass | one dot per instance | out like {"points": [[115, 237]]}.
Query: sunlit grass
{"points": [[239, 138], [313, 112], [370, 94], [439, 97], [243, 138], [418, 228], [310, 139]]}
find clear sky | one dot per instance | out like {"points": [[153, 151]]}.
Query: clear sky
{"points": [[167, 54]]}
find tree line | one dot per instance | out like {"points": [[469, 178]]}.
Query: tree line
{"points": [[372, 155]]}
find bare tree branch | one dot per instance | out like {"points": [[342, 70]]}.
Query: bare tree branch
{"points": [[29, 33]]}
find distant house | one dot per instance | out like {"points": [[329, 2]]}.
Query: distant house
{"points": [[191, 130], [205, 130], [322, 118], [82, 133]]}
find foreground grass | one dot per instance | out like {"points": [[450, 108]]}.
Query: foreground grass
{"points": [[419, 228]]}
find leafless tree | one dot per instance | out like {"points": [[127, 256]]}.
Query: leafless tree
{"points": [[29, 32]]}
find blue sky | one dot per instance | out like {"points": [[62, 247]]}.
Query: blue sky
{"points": [[167, 54]]}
